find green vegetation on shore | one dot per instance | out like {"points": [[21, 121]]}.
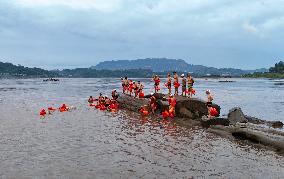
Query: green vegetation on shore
{"points": [[8, 70], [274, 72]]}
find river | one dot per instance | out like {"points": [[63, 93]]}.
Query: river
{"points": [[88, 143]]}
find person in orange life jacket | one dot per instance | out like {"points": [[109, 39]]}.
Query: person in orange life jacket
{"points": [[176, 83], [144, 110], [140, 89], [135, 88], [153, 103], [126, 83], [156, 80], [172, 105], [168, 84], [183, 93], [190, 82], [107, 101], [130, 88]]}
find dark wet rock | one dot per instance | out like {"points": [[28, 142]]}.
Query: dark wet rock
{"points": [[189, 113], [197, 107], [185, 108], [206, 122], [131, 103], [157, 96], [163, 105], [255, 120], [185, 113], [252, 134], [274, 124], [236, 115]]}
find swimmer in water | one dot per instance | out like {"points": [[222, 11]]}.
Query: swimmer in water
{"points": [[91, 100]]}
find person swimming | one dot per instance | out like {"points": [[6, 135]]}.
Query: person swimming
{"points": [[91, 100]]}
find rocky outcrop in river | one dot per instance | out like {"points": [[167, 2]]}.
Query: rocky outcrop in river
{"points": [[237, 125]]}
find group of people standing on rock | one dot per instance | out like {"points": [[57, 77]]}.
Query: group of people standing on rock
{"points": [[188, 81], [131, 87]]}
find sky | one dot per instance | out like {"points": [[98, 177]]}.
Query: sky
{"points": [[55, 34]]}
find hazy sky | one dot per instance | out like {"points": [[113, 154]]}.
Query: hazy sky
{"points": [[79, 33]]}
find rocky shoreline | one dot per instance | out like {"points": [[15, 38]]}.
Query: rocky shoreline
{"points": [[236, 126]]}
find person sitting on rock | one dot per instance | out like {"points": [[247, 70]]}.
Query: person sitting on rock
{"points": [[107, 101], [172, 100], [153, 103], [144, 110], [114, 94], [183, 93], [209, 101]]}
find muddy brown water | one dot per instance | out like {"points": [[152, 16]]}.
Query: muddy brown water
{"points": [[88, 143]]}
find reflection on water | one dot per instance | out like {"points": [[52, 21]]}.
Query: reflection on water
{"points": [[88, 143]]}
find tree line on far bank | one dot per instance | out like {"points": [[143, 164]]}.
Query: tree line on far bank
{"points": [[8, 70], [274, 72]]}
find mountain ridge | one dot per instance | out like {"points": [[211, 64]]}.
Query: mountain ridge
{"points": [[167, 65]]}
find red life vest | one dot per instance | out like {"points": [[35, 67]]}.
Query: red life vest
{"points": [[42, 112], [213, 112], [52, 109], [176, 84], [165, 114], [141, 95]]}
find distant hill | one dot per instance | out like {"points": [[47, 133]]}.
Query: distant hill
{"points": [[8, 70], [166, 65]]}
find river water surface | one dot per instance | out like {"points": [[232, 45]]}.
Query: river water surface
{"points": [[88, 143]]}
